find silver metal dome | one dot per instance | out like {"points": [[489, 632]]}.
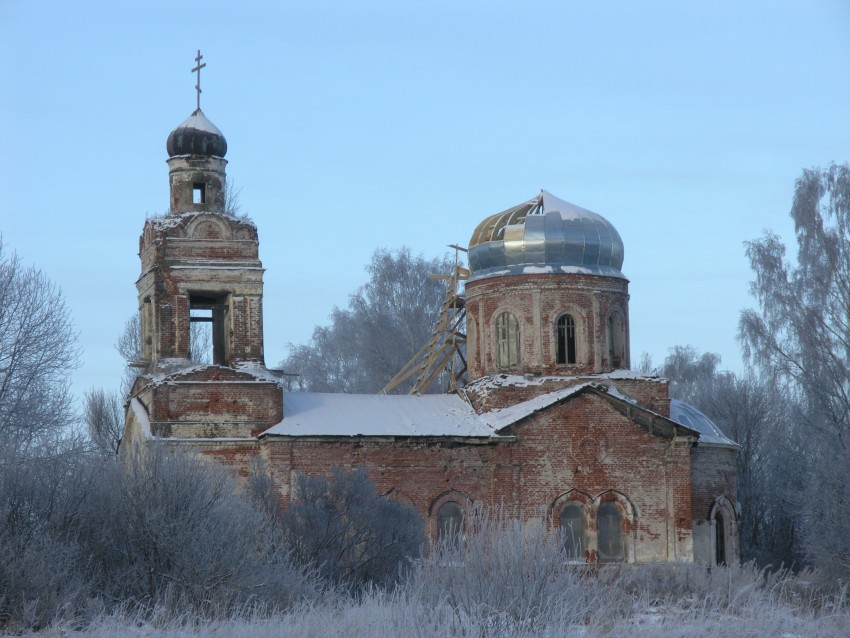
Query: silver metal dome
{"points": [[545, 235], [196, 136]]}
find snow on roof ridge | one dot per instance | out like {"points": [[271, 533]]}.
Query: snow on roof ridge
{"points": [[484, 385], [503, 417], [185, 367], [170, 219], [258, 371]]}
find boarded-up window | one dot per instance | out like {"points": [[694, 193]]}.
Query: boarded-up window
{"points": [[609, 523], [449, 521], [572, 531], [566, 339], [507, 341]]}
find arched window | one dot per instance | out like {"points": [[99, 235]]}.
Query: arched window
{"points": [[719, 539], [609, 524], [449, 521], [724, 534], [572, 531], [566, 339], [507, 341]]}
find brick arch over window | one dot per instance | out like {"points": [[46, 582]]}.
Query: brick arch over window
{"points": [[614, 527], [570, 514], [444, 506], [582, 345], [395, 494], [724, 532]]}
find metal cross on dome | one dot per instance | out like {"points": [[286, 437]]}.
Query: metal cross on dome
{"points": [[198, 69]]}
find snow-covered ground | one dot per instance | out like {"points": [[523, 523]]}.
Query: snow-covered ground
{"points": [[661, 601]]}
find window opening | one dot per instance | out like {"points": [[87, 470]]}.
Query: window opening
{"points": [[507, 341], [572, 531], [206, 329], [566, 339], [719, 539], [199, 193], [450, 522], [610, 533]]}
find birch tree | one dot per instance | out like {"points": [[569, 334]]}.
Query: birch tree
{"points": [[387, 321], [800, 337]]}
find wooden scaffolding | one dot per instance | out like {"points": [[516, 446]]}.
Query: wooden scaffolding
{"points": [[445, 351]]}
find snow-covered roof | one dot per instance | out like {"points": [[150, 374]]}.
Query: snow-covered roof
{"points": [[331, 414], [328, 414], [709, 433]]}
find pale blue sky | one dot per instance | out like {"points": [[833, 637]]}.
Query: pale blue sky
{"points": [[357, 125]]}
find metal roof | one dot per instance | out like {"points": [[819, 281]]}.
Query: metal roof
{"points": [[709, 433], [196, 135], [545, 235]]}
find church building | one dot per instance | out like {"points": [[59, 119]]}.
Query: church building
{"points": [[550, 418]]}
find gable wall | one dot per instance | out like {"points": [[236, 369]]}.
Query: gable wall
{"points": [[586, 445]]}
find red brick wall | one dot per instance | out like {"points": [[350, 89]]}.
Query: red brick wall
{"points": [[583, 445], [200, 253], [211, 402], [714, 470], [502, 390], [537, 301]]}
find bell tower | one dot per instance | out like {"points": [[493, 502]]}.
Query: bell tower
{"points": [[201, 300], [200, 264]]}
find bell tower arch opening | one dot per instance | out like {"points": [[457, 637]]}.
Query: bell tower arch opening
{"points": [[207, 334]]}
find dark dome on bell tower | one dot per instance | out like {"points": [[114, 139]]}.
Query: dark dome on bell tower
{"points": [[196, 136]]}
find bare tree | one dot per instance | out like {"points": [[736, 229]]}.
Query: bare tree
{"points": [[37, 352], [232, 199], [104, 417], [352, 535], [800, 338], [692, 375], [174, 529], [101, 405], [387, 321]]}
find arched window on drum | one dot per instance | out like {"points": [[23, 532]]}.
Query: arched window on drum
{"points": [[566, 333], [507, 341]]}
